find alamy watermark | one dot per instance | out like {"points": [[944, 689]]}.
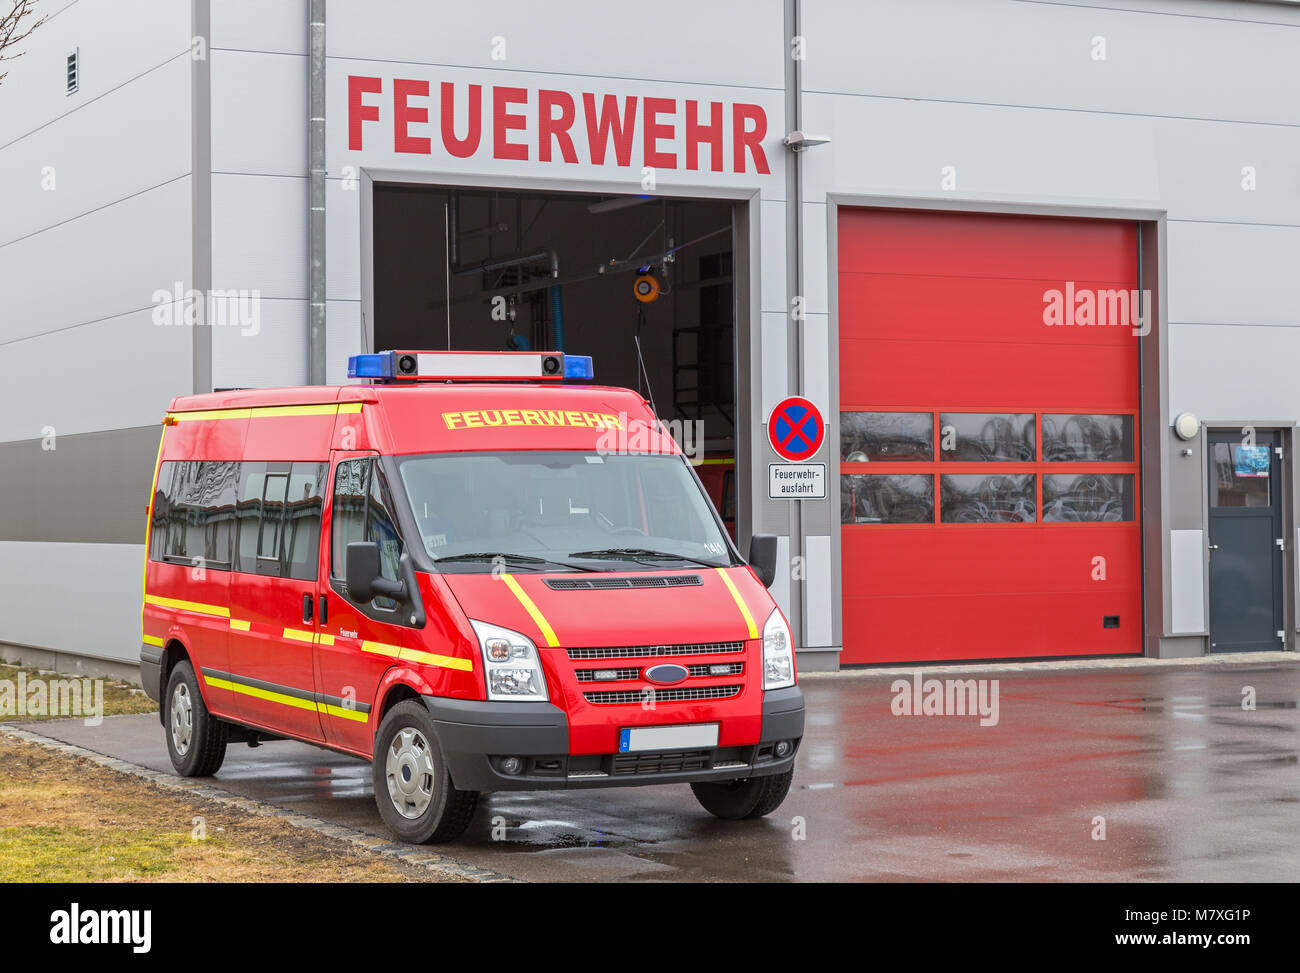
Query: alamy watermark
{"points": [[1073, 306], [946, 697], [639, 436], [40, 697], [181, 307]]}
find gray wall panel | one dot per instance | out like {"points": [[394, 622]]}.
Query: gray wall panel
{"points": [[91, 488]]}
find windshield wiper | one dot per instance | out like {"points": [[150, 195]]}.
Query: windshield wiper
{"points": [[641, 553], [505, 556]]}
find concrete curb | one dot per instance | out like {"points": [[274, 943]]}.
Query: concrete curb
{"points": [[1065, 665], [410, 854]]}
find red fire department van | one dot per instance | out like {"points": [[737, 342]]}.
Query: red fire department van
{"points": [[470, 572]]}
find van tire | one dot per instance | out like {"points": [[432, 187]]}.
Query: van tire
{"points": [[737, 800], [407, 745], [203, 751]]}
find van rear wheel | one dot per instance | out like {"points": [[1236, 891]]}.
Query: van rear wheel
{"points": [[196, 740], [413, 789], [737, 800]]}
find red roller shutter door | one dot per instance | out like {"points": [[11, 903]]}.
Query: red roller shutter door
{"points": [[989, 475]]}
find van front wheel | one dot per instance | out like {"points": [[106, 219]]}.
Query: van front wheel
{"points": [[752, 797], [413, 789]]}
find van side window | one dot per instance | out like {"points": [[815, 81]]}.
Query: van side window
{"points": [[300, 543], [279, 517], [362, 512], [194, 513]]}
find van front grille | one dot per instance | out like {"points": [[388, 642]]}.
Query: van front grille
{"points": [[661, 763], [634, 672], [615, 697], [656, 651]]}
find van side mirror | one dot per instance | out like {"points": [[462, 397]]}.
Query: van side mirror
{"points": [[762, 557], [363, 578]]}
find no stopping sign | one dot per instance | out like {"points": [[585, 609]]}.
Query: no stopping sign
{"points": [[796, 429]]}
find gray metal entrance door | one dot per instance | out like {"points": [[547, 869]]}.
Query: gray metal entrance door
{"points": [[1246, 542]]}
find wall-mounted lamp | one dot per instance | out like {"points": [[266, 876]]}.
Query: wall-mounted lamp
{"points": [[1186, 426], [798, 141]]}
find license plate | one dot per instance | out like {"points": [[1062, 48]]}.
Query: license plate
{"points": [[687, 736]]}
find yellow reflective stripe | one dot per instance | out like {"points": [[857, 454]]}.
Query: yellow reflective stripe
{"points": [[240, 625], [444, 661], [415, 655], [152, 640], [350, 407], [328, 708], [262, 412], [327, 640], [343, 713], [189, 606], [236, 687], [532, 609], [740, 602], [299, 635]]}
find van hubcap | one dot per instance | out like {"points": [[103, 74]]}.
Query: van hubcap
{"points": [[182, 719], [409, 769]]}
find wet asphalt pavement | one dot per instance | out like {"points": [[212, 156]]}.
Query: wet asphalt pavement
{"points": [[1192, 787]]}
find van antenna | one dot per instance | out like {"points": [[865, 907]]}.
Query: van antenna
{"points": [[640, 361]]}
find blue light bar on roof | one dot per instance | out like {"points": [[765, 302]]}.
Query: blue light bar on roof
{"points": [[578, 366], [445, 366], [371, 366]]}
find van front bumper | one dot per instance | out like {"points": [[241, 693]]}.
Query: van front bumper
{"points": [[476, 737]]}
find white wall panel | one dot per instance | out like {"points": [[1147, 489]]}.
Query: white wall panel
{"points": [[1187, 578], [259, 113], [817, 625], [343, 239], [1201, 170], [1231, 274], [776, 360], [273, 354], [342, 339], [734, 42], [107, 262], [117, 145], [113, 374], [889, 146], [259, 234], [1234, 372], [118, 39], [105, 587], [1041, 54], [279, 26], [815, 280], [772, 255]]}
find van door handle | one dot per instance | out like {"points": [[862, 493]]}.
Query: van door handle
{"points": [[1213, 547], [324, 612], [307, 612]]}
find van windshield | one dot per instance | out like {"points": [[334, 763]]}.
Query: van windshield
{"points": [[553, 510]]}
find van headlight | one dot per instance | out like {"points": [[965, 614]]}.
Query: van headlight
{"points": [[778, 652], [511, 666]]}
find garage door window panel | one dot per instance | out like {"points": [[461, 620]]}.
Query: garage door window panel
{"points": [[886, 437], [886, 498], [984, 437], [998, 498]]}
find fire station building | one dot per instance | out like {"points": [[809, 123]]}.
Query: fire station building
{"points": [[1030, 262]]}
